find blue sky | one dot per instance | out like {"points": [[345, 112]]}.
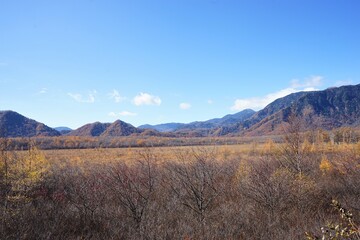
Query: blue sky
{"points": [[68, 63]]}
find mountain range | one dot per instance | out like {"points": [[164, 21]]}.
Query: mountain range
{"points": [[209, 124], [327, 109]]}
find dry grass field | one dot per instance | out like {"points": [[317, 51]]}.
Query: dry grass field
{"points": [[253, 190], [163, 154], [103, 155]]}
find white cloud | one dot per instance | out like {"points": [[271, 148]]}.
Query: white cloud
{"points": [[122, 114], [184, 106], [260, 102], [257, 103], [146, 99], [112, 114], [116, 96], [311, 82], [43, 91], [90, 98], [210, 101]]}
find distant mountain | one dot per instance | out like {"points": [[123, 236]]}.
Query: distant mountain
{"points": [[234, 118], [221, 122], [59, 129], [13, 124], [165, 127], [63, 130], [327, 109], [116, 129], [202, 127]]}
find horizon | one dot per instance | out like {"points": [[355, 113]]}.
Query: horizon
{"points": [[72, 63], [164, 123]]}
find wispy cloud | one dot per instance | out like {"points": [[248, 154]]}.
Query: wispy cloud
{"points": [[43, 91], [260, 102], [146, 99], [122, 114], [210, 101], [256, 103], [90, 98], [115, 95], [184, 106], [311, 82]]}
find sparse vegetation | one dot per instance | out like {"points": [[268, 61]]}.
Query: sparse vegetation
{"points": [[264, 190]]}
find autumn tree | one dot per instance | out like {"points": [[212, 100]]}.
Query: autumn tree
{"points": [[20, 175], [295, 151]]}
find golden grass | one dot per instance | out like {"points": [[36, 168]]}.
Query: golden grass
{"points": [[164, 154], [104, 155]]}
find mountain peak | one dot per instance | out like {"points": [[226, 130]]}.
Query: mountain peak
{"points": [[115, 129], [90, 130], [327, 109], [120, 128], [13, 124]]}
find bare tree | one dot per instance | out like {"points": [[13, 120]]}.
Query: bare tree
{"points": [[132, 186], [292, 154], [196, 179]]}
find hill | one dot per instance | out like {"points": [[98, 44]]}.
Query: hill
{"points": [[120, 128], [116, 129], [13, 124], [90, 130]]}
